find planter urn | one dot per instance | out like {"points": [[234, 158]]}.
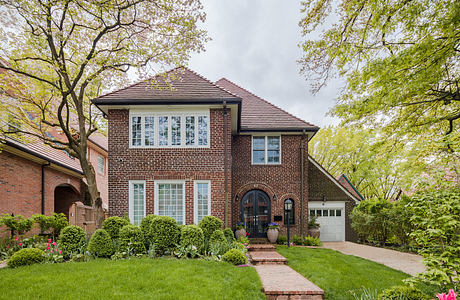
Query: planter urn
{"points": [[240, 232], [314, 232], [272, 235]]}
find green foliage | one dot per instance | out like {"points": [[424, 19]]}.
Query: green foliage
{"points": [[113, 225], [192, 235], [400, 215], [27, 256], [126, 217], [188, 251], [132, 239], [101, 244], [402, 293], [239, 246], [436, 217], [72, 240], [209, 224], [312, 241], [243, 240], [235, 257], [218, 244], [16, 224], [52, 224], [282, 240], [146, 223], [371, 220], [229, 235], [296, 239], [164, 233]]}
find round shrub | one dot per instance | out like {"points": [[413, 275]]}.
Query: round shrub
{"points": [[191, 235], [27, 256], [113, 225], [132, 239], [146, 226], [218, 244], [235, 257], [229, 235], [165, 233], [209, 224], [72, 239], [101, 244], [403, 293]]}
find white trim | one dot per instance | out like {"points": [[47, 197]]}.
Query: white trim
{"points": [[156, 202], [266, 149], [131, 198], [195, 198], [169, 113], [333, 179]]}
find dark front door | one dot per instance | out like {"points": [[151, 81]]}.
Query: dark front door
{"points": [[255, 212]]}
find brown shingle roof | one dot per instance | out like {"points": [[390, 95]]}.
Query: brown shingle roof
{"points": [[178, 84], [259, 114]]}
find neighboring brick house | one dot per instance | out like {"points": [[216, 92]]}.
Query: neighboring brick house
{"points": [[35, 178], [200, 148]]}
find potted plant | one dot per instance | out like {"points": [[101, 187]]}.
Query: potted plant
{"points": [[313, 227], [240, 229], [273, 231]]}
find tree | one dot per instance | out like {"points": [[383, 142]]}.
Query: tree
{"points": [[401, 62], [62, 53]]}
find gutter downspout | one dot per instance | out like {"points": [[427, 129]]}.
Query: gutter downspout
{"points": [[302, 185], [43, 186], [225, 165]]}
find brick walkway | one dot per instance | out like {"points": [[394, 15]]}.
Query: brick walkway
{"points": [[280, 281]]}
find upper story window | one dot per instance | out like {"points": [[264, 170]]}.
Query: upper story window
{"points": [[266, 149], [171, 129], [101, 165]]}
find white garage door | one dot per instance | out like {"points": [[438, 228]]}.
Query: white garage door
{"points": [[331, 217]]}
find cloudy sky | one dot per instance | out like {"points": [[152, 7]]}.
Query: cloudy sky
{"points": [[254, 44]]}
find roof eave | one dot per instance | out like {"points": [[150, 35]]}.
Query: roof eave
{"points": [[102, 102]]}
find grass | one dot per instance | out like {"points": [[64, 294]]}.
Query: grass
{"points": [[131, 279], [341, 275]]}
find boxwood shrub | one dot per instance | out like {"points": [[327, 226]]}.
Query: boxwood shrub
{"points": [[191, 235], [72, 239], [146, 223], [27, 256], [229, 235], [132, 239], [218, 244], [403, 293], [165, 233], [113, 225], [209, 224], [234, 256], [101, 244]]}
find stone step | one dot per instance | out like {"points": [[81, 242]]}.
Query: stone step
{"points": [[282, 282], [258, 241], [262, 247], [267, 258]]}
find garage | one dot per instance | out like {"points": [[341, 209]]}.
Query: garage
{"points": [[331, 217]]}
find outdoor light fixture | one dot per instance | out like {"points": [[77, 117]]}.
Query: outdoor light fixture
{"points": [[236, 198], [324, 199], [287, 211], [274, 197]]}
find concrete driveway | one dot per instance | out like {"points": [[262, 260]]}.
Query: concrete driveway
{"points": [[406, 262]]}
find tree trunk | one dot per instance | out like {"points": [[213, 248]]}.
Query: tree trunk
{"points": [[96, 201]]}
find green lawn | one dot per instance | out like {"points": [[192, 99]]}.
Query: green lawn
{"points": [[131, 279], [339, 275]]}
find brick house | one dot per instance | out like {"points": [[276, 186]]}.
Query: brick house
{"points": [[200, 148]]}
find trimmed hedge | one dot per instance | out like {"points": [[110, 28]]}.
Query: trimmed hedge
{"points": [[209, 224], [146, 223], [72, 239], [101, 244], [235, 257], [164, 233], [113, 225], [229, 235], [192, 235], [132, 239], [218, 244], [27, 256], [403, 293]]}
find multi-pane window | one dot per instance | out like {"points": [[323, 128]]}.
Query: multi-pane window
{"points": [[266, 149], [100, 164], [169, 129], [326, 212], [136, 201], [170, 200], [202, 200]]}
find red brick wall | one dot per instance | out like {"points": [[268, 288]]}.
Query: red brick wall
{"points": [[282, 180], [187, 164]]}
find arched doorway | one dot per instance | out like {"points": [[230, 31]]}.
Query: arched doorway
{"points": [[255, 212], [64, 196]]}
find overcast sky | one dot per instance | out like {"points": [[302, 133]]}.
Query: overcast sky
{"points": [[254, 44]]}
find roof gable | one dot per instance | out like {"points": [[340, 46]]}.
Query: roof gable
{"points": [[178, 84], [349, 186], [259, 114]]}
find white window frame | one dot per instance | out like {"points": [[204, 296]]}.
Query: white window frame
{"points": [[195, 198], [131, 198], [103, 158], [156, 202], [169, 114], [266, 149]]}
